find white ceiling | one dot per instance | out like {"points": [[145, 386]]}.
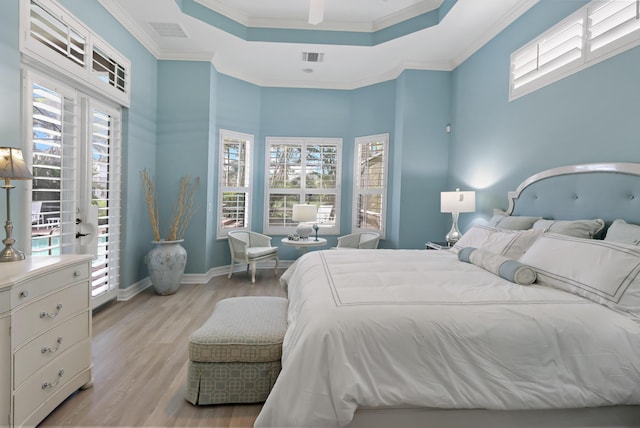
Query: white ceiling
{"points": [[467, 27]]}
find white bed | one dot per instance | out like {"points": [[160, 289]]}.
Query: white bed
{"points": [[419, 338]]}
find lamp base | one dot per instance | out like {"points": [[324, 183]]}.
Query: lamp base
{"points": [[10, 254], [454, 234], [304, 230]]}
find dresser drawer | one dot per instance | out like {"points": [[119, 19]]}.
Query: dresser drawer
{"points": [[41, 285], [40, 315], [53, 377], [48, 346]]}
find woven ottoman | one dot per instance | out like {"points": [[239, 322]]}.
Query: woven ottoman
{"points": [[235, 356]]}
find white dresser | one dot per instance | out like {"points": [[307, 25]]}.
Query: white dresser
{"points": [[45, 340]]}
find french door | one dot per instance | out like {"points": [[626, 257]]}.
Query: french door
{"points": [[75, 194]]}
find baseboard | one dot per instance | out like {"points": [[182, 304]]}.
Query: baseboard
{"points": [[128, 293], [125, 294]]}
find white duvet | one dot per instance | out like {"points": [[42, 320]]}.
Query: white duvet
{"points": [[385, 328]]}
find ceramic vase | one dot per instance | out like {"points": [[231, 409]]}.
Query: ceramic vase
{"points": [[166, 262]]}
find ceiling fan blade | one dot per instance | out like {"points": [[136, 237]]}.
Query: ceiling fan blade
{"points": [[316, 11]]}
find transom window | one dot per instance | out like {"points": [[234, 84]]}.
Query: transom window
{"points": [[54, 36], [595, 32], [302, 170]]}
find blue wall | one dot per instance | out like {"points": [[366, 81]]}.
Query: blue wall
{"points": [[423, 109], [185, 147], [590, 116], [177, 109]]}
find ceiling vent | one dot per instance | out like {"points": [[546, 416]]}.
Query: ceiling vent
{"points": [[168, 29], [312, 56]]}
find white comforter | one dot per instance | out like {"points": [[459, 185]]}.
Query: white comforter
{"points": [[384, 328]]}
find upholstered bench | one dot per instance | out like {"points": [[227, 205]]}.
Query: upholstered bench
{"points": [[235, 356]]}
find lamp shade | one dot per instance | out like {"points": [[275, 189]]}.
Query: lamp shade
{"points": [[304, 213], [458, 202], [12, 164]]}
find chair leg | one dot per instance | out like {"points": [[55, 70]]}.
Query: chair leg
{"points": [[231, 269], [275, 269], [253, 272]]}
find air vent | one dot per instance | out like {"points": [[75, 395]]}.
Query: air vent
{"points": [[312, 56], [168, 29]]}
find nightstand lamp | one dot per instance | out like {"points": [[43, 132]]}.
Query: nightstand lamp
{"points": [[305, 215], [455, 203], [12, 167]]}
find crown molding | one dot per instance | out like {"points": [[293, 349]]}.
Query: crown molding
{"points": [[131, 26], [503, 22]]}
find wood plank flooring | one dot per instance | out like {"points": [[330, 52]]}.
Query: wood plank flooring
{"points": [[140, 353]]}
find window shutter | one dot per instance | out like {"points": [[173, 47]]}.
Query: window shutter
{"points": [[370, 183], [302, 170], [110, 70], [597, 31], [234, 182], [54, 167], [560, 47], [105, 194], [57, 35], [59, 40], [613, 24]]}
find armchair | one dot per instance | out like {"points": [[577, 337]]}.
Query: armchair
{"points": [[250, 248], [359, 240]]}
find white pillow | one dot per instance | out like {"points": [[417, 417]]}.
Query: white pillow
{"points": [[504, 267], [512, 222], [621, 231], [577, 228], [605, 272], [508, 243]]}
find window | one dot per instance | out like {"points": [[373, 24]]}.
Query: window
{"points": [[76, 178], [370, 183], [74, 122], [592, 34], [302, 170], [234, 182], [53, 36]]}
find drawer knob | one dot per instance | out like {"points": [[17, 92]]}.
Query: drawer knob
{"points": [[77, 273], [24, 293], [44, 314], [47, 385], [49, 350]]}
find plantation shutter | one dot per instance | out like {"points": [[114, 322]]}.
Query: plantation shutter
{"points": [[110, 69], [370, 177], [105, 195], [613, 24], [560, 47], [56, 37], [302, 170], [55, 133], [234, 182]]}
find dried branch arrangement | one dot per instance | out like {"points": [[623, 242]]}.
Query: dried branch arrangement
{"points": [[149, 189], [182, 209]]}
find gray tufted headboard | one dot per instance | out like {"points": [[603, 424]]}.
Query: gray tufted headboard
{"points": [[599, 190]]}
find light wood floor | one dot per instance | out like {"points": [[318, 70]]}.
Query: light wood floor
{"points": [[140, 352]]}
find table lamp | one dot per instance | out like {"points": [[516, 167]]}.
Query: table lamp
{"points": [[305, 215], [455, 203], [12, 167]]}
